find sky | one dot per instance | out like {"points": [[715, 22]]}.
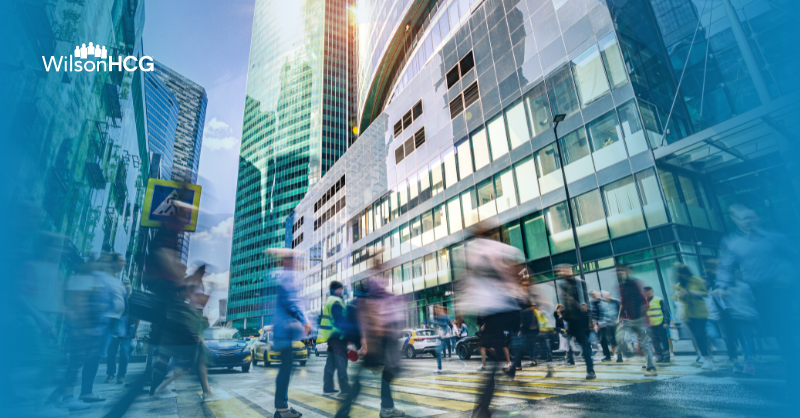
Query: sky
{"points": [[208, 41]]}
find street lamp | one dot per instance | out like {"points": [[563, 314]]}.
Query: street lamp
{"points": [[556, 120]]}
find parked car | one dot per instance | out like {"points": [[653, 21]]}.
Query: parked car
{"points": [[467, 346], [419, 341], [321, 348], [226, 348], [262, 351]]}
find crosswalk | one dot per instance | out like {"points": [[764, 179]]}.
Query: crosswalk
{"points": [[422, 393]]}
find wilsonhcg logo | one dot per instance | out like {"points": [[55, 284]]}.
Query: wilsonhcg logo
{"points": [[90, 54]]}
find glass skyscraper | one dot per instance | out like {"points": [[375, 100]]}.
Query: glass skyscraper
{"points": [[295, 127], [672, 112], [178, 106], [162, 121]]}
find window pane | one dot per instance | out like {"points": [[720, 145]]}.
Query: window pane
{"points": [[695, 205], [559, 229], [486, 195], [624, 211], [416, 233], [431, 271], [535, 236], [589, 218], [548, 167], [589, 76], [612, 59], [517, 124], [497, 137], [525, 172], [439, 222], [385, 210], [450, 171], [396, 243], [632, 128], [577, 156], [405, 238], [424, 185], [397, 280], [654, 211], [417, 274], [427, 228], [511, 234], [469, 207], [605, 135], [506, 193], [562, 93], [454, 215], [480, 149], [437, 183], [444, 266], [675, 204], [464, 160], [413, 191], [538, 108], [370, 220], [403, 192]]}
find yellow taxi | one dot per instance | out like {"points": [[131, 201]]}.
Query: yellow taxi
{"points": [[261, 351]]}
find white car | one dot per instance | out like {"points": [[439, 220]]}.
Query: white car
{"points": [[321, 348], [419, 341]]}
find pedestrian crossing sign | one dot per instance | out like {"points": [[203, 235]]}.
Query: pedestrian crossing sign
{"points": [[167, 201]]}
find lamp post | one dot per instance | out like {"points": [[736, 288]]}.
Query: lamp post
{"points": [[556, 120]]}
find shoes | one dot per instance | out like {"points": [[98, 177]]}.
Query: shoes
{"points": [[390, 413], [437, 371], [664, 359], [120, 380], [749, 368], [550, 371], [481, 368], [604, 359], [212, 396], [619, 359], [332, 393], [707, 365], [73, 404], [291, 413], [166, 394], [109, 379], [737, 368], [697, 360], [480, 413], [91, 398], [534, 364], [591, 376], [651, 372]]}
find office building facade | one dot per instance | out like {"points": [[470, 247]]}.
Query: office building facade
{"points": [[162, 121], [295, 127], [191, 100], [655, 142]]}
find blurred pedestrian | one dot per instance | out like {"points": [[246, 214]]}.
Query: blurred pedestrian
{"points": [[442, 321], [493, 292], [607, 315], [691, 291], [330, 331], [120, 342], [379, 319], [564, 340], [633, 310], [658, 320], [576, 315], [529, 330], [290, 325]]}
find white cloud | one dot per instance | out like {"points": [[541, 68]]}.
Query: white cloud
{"points": [[215, 124], [224, 228], [215, 144], [201, 236], [218, 279]]}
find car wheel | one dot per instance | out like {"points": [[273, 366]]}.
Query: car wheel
{"points": [[463, 354], [253, 359], [266, 362], [410, 352], [316, 352], [302, 363], [246, 368]]}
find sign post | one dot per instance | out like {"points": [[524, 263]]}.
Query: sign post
{"points": [[169, 201]]}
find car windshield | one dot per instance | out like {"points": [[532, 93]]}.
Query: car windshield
{"points": [[426, 333], [222, 334]]}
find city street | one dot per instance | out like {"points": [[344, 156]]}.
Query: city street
{"points": [[620, 389]]}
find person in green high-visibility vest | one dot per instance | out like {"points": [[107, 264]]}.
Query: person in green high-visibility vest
{"points": [[658, 320], [330, 331]]}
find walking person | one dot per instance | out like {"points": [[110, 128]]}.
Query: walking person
{"points": [[442, 321], [379, 319], [691, 290], [658, 320], [290, 325], [332, 323], [529, 330], [633, 310], [576, 315], [121, 342], [606, 313], [564, 341]]}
